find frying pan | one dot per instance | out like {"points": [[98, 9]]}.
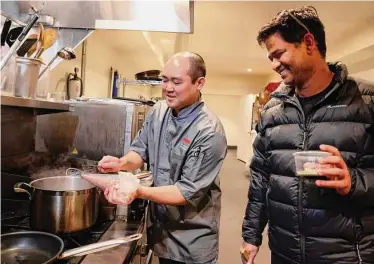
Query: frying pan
{"points": [[35, 247]]}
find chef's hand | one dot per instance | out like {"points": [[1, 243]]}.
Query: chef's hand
{"points": [[110, 164], [338, 174], [248, 253], [113, 196]]}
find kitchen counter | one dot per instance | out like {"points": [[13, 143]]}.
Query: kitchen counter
{"points": [[121, 254], [34, 104]]}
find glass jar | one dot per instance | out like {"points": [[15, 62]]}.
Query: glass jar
{"points": [[43, 83]]}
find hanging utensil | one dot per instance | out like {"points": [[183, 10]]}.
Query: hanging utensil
{"points": [[33, 48], [19, 41], [64, 53], [49, 38], [39, 42], [5, 31], [13, 35], [41, 39], [26, 46]]}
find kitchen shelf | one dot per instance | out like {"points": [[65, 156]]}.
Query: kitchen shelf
{"points": [[139, 82], [44, 106], [20, 23]]}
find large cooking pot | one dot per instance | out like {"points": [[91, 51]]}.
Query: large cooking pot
{"points": [[61, 204]]}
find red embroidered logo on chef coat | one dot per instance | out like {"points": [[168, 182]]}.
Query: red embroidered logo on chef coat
{"points": [[184, 144]]}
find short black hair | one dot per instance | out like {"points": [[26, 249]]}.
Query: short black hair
{"points": [[292, 30], [197, 65]]}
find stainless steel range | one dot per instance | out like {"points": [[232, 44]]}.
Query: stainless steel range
{"points": [[37, 141], [15, 220], [15, 207], [16, 213]]}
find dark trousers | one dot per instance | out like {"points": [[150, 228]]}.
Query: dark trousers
{"points": [[278, 260], [168, 261]]}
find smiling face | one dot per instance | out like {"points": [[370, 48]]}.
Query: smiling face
{"points": [[289, 60], [177, 85]]}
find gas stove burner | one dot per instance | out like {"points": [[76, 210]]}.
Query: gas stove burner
{"points": [[18, 220], [7, 215], [13, 210]]}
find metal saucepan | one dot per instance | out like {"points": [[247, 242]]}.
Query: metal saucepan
{"points": [[152, 75], [61, 204], [34, 247]]}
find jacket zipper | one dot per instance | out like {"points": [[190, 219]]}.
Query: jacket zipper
{"points": [[358, 253], [301, 185], [295, 103], [301, 179], [357, 241]]}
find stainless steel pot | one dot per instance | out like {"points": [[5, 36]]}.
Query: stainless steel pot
{"points": [[61, 204], [27, 71]]}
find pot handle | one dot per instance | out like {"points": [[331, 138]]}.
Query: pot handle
{"points": [[100, 246], [17, 188], [73, 172]]}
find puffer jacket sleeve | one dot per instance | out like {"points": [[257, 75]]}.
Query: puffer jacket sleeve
{"points": [[363, 187], [255, 218], [362, 192]]}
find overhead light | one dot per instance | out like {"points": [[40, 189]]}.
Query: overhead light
{"points": [[249, 70]]}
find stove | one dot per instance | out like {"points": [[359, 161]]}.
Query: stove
{"points": [[15, 218], [15, 215]]}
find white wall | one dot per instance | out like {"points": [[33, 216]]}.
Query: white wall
{"points": [[223, 94], [100, 57], [227, 109], [135, 91], [57, 77], [273, 77], [245, 134], [357, 51], [361, 38], [234, 85], [367, 75], [156, 91]]}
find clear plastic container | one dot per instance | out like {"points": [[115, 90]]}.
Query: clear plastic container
{"points": [[308, 162], [128, 183]]}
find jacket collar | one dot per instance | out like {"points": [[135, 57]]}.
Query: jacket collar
{"points": [[340, 76], [185, 112]]}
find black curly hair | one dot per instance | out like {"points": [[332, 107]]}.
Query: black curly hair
{"points": [[293, 24]]}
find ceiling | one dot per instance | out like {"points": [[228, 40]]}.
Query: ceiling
{"points": [[225, 34]]}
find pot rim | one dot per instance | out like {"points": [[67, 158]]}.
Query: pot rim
{"points": [[32, 183]]}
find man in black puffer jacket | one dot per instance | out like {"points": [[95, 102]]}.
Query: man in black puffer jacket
{"points": [[317, 107]]}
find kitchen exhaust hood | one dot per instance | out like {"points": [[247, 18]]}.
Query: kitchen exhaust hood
{"points": [[165, 16]]}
